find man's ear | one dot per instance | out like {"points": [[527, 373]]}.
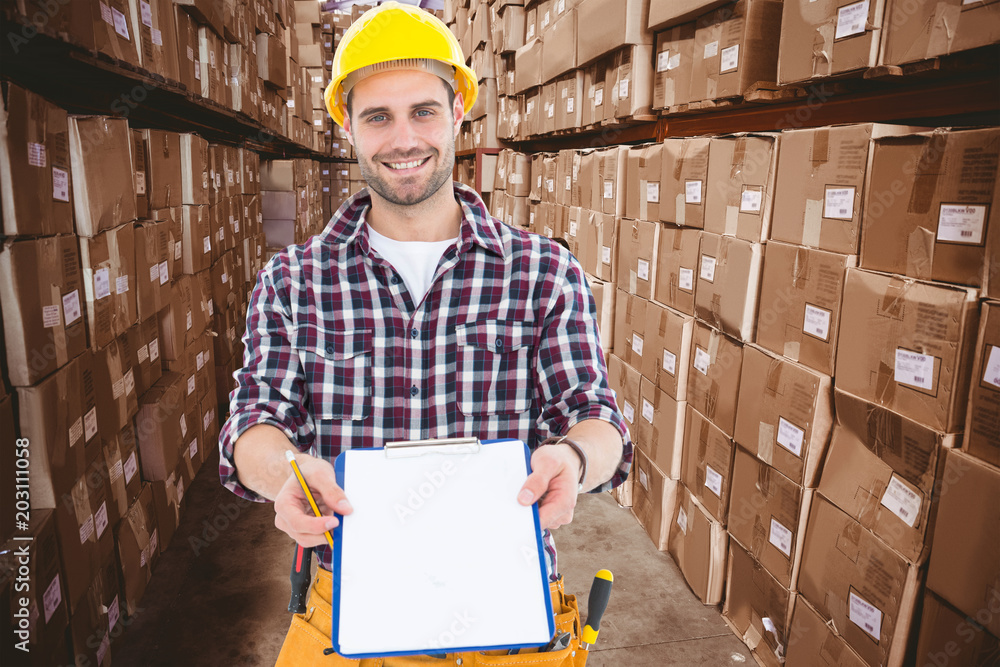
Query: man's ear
{"points": [[347, 129], [458, 111]]}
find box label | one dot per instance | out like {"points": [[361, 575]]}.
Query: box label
{"points": [[623, 89], [177, 250], [130, 467], [189, 321], [570, 104], [102, 283], [101, 519], [154, 349], [628, 412], [959, 223], [154, 540], [90, 424], [121, 284], [114, 612], [142, 354], [164, 272], [647, 411], [50, 316], [643, 479], [206, 245], [180, 489], [211, 308], [606, 254], [157, 37], [598, 97], [713, 481], [609, 189], [117, 470], [790, 436], [146, 13], [702, 360], [816, 322], [914, 369], [191, 385], [637, 344], [206, 420], [682, 520], [991, 372], [730, 59], [36, 154], [60, 184], [751, 200], [129, 382], [51, 598], [642, 269], [838, 203], [118, 388], [675, 61], [200, 360], [121, 23], [662, 60], [781, 537], [154, 273], [902, 500], [87, 529], [669, 362], [569, 183], [707, 268], [76, 431], [71, 307], [653, 193], [193, 449], [692, 192], [685, 279], [711, 50], [866, 616], [851, 20]]}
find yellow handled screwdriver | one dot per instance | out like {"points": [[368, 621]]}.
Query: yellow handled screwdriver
{"points": [[600, 592], [305, 489]]}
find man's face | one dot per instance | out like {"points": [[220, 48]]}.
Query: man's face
{"points": [[403, 128]]}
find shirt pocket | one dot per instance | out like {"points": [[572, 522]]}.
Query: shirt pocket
{"points": [[338, 371], [494, 367]]}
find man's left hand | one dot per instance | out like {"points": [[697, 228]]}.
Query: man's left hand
{"points": [[555, 478]]}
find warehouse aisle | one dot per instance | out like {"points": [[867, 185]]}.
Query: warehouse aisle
{"points": [[220, 592]]}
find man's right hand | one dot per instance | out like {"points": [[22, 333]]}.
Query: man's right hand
{"points": [[292, 513]]}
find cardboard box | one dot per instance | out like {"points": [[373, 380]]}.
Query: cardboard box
{"points": [[707, 464], [508, 30], [152, 268], [661, 428], [785, 415], [114, 379], [625, 381], [599, 245], [930, 200], [654, 499], [165, 180], [821, 183], [982, 437], [883, 470], [665, 13], [677, 261], [623, 492], [34, 165], [642, 200], [965, 558], [947, 634], [683, 180], [674, 58], [137, 542], [698, 545], [767, 513], [141, 166], [812, 636], [827, 39], [630, 328], [103, 185], [855, 581], [41, 290], [188, 62], [758, 608], [197, 247], [741, 174], [908, 346], [605, 301], [271, 61], [108, 261], [607, 25], [728, 282], [668, 341], [194, 169], [800, 303], [714, 382], [78, 542], [161, 426], [560, 48], [637, 257], [528, 66], [631, 89]]}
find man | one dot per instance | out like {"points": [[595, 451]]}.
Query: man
{"points": [[414, 315]]}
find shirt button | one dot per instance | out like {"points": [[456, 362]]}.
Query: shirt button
{"points": [[329, 349], [499, 343], [414, 333], [395, 280], [414, 391]]}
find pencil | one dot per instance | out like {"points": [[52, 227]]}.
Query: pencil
{"points": [[305, 488]]}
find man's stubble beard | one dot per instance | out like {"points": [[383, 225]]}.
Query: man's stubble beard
{"points": [[437, 180]]}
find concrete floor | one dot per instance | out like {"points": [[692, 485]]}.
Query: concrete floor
{"points": [[221, 597]]}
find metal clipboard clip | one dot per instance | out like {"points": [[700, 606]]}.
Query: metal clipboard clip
{"points": [[406, 448]]}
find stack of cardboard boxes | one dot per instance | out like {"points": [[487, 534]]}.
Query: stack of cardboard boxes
{"points": [[126, 263]]}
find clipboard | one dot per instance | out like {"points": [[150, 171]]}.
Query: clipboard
{"points": [[438, 555]]}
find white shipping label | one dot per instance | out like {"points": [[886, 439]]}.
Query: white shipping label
{"points": [[193, 449], [71, 307], [713, 481], [682, 520], [154, 349], [118, 388], [838, 203], [707, 268], [225, 278], [662, 60], [702, 360], [573, 227], [101, 519], [991, 371], [76, 431], [561, 6], [675, 62], [121, 23], [647, 411], [180, 489], [653, 193], [750, 201], [866, 616], [550, 185], [121, 284], [142, 354], [851, 20], [184, 426], [609, 189], [628, 411], [531, 31], [90, 424], [114, 613], [36, 154], [670, 362], [569, 183], [129, 382], [52, 598], [816, 322], [117, 470], [190, 55], [598, 97], [211, 308], [154, 540], [157, 37], [87, 529], [102, 283], [200, 360], [685, 279], [50, 316], [902, 500], [130, 467], [730, 59], [206, 245], [711, 50], [623, 89], [643, 479], [106, 14], [570, 104], [60, 184], [637, 344], [164, 272], [143, 555], [177, 249], [692, 192], [781, 537], [961, 223], [914, 369], [606, 254], [189, 322], [146, 13], [191, 385], [550, 110], [154, 273], [790, 436], [206, 420], [642, 269]]}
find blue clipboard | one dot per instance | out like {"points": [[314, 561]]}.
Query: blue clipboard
{"points": [[369, 620]]}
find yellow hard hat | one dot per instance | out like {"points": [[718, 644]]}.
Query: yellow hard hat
{"points": [[392, 33]]}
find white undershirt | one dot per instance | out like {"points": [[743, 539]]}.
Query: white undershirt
{"points": [[416, 261]]}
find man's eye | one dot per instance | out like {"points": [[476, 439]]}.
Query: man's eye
{"points": [[377, 118], [424, 112]]}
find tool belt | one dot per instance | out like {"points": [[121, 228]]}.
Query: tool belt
{"points": [[309, 637]]}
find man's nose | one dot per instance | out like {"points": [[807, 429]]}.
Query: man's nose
{"points": [[405, 136]]}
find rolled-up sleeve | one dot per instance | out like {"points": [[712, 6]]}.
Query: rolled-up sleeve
{"points": [[570, 368], [270, 385]]}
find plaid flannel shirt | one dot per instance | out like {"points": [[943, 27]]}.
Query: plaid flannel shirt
{"points": [[337, 354]]}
